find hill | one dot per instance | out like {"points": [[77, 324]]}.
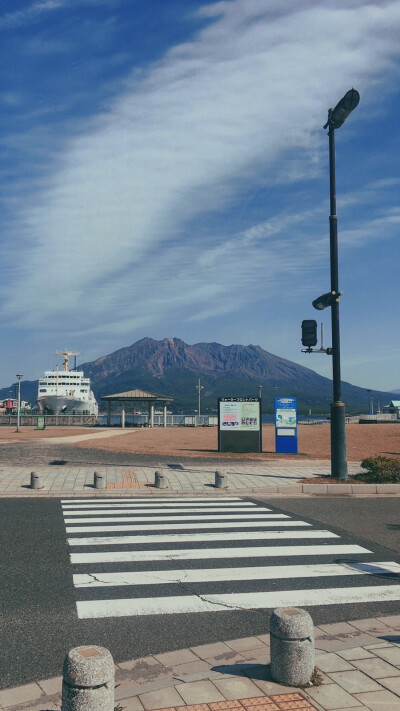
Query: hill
{"points": [[172, 367]]}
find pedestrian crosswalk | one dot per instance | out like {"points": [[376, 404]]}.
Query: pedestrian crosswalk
{"points": [[181, 555]]}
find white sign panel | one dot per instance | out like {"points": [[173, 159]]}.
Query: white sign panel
{"points": [[239, 416]]}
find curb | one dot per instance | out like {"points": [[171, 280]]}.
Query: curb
{"points": [[290, 490]]}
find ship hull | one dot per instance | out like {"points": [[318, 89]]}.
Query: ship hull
{"points": [[63, 405]]}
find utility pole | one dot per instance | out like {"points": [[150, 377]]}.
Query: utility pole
{"points": [[199, 387], [19, 376]]}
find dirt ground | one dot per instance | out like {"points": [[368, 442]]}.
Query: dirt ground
{"points": [[314, 441], [9, 434]]}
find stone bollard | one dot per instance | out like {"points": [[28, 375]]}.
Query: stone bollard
{"points": [[221, 480], [292, 646], [35, 481], [100, 480], [88, 680], [161, 481]]}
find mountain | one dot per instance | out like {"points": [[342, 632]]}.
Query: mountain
{"points": [[172, 367]]}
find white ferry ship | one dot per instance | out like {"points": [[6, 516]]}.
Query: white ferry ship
{"points": [[66, 392]]}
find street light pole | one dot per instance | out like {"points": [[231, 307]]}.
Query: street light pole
{"points": [[338, 413], [19, 376], [199, 387], [336, 118]]}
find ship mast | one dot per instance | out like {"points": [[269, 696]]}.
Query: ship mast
{"points": [[66, 355]]}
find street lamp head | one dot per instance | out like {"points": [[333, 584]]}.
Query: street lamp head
{"points": [[20, 375], [338, 115], [325, 300]]}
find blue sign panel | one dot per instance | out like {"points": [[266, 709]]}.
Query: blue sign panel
{"points": [[286, 425]]}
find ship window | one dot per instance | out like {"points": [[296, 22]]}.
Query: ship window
{"points": [[42, 390]]}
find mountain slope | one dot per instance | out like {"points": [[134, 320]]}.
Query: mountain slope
{"points": [[172, 367]]}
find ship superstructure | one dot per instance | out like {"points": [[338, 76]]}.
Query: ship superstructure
{"points": [[66, 392]]}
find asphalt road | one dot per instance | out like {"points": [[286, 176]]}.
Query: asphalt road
{"points": [[39, 622], [47, 453]]}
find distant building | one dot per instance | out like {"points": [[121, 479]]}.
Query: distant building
{"points": [[10, 405], [393, 408]]}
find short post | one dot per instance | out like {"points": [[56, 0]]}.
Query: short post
{"points": [[88, 680], [35, 481], [221, 480], [160, 481], [292, 646], [100, 480]]}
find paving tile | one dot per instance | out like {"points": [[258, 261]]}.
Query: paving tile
{"points": [[140, 664], [338, 644], [389, 654], [199, 692], [354, 681], [131, 705], [51, 686], [125, 689], [391, 621], [224, 705], [262, 654], [20, 695], [355, 653], [332, 663], [338, 628], [265, 638], [241, 645], [369, 625], [377, 668], [206, 651], [260, 703], [230, 658], [377, 645], [53, 705], [391, 683], [161, 699], [237, 688], [197, 676], [181, 656], [331, 697], [380, 701], [190, 668]]}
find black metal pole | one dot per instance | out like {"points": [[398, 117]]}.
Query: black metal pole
{"points": [[338, 414]]}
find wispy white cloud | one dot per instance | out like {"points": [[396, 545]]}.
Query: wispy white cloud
{"points": [[113, 232], [35, 10]]}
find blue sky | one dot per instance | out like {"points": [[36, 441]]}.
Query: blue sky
{"points": [[164, 172]]}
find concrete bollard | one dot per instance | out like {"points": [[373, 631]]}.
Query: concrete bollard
{"points": [[88, 680], [221, 480], [35, 481], [100, 480], [292, 646], [160, 481]]}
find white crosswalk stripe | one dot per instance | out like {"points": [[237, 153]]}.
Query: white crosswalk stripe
{"points": [[155, 546]]}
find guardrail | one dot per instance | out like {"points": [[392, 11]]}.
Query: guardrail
{"points": [[50, 420]]}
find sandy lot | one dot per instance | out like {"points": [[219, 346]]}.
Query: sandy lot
{"points": [[314, 441], [8, 434]]}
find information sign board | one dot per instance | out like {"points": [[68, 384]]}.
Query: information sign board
{"points": [[239, 424], [286, 425]]}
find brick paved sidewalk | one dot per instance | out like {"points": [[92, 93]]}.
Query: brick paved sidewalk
{"points": [[358, 663], [273, 477]]}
